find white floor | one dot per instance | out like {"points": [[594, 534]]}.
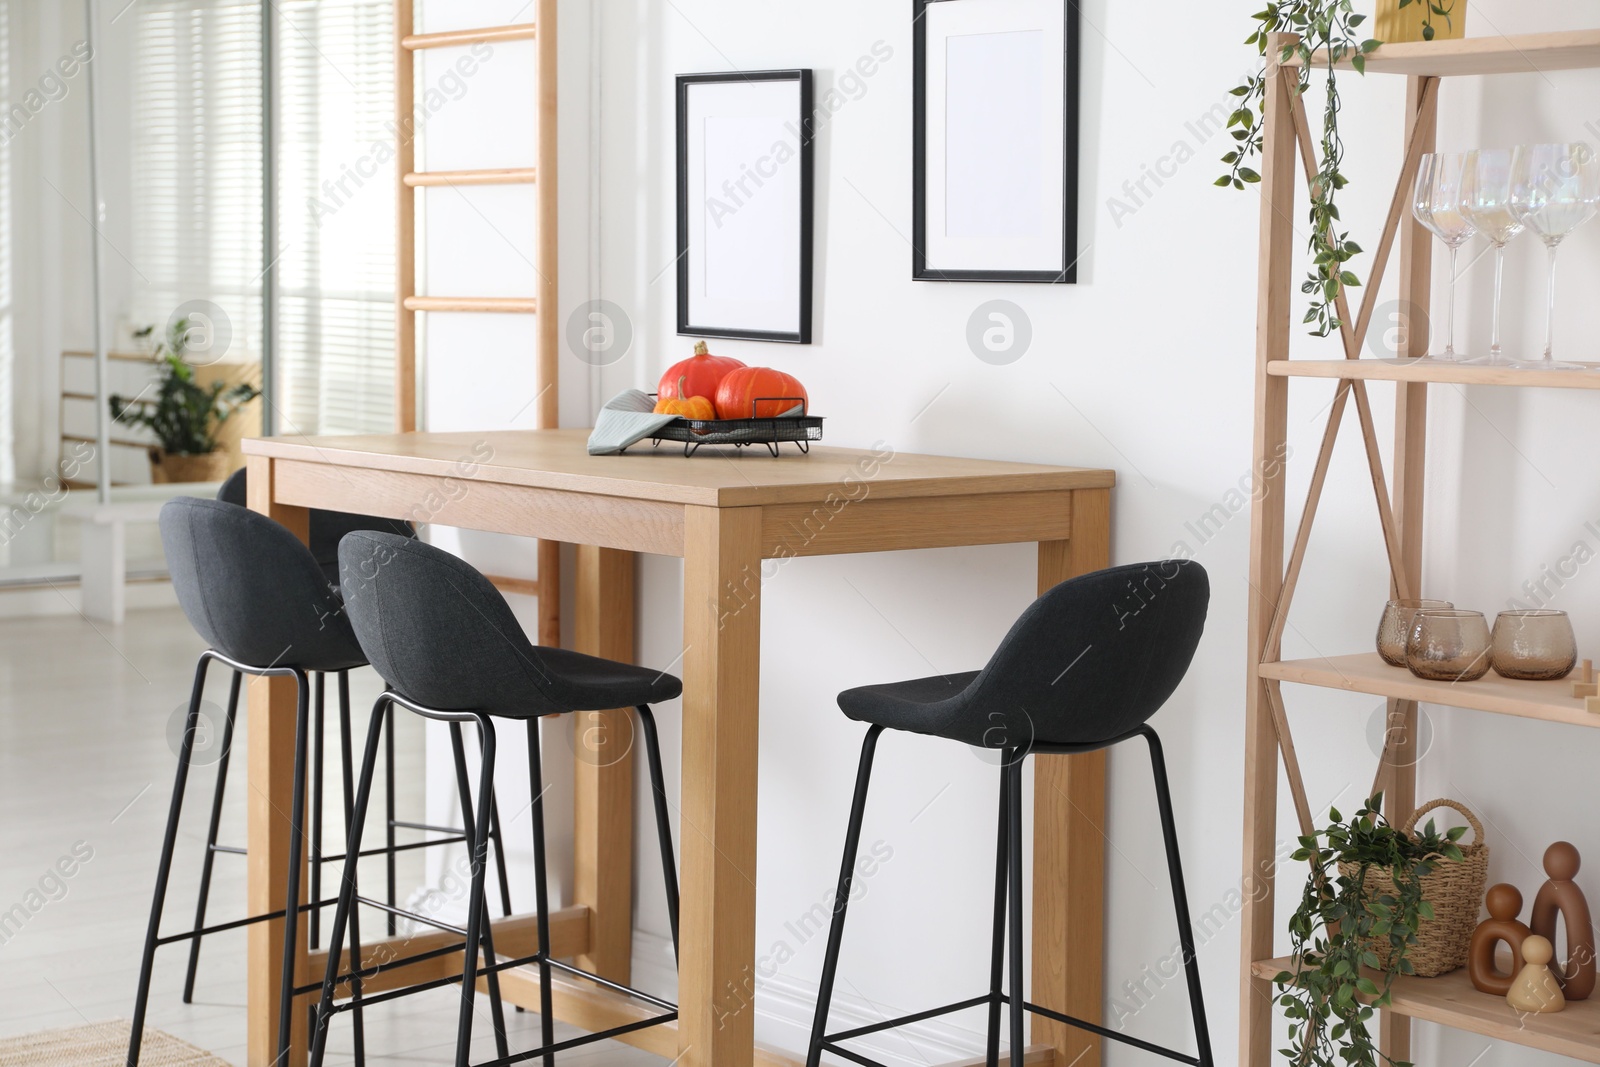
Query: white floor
{"points": [[87, 731]]}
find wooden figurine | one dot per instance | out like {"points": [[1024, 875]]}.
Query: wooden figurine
{"points": [[1560, 898], [1536, 990], [1505, 906], [1588, 687]]}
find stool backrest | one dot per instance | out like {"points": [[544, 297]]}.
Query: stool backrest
{"points": [[327, 527], [436, 629], [1095, 657], [251, 589]]}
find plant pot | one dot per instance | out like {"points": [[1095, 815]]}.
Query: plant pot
{"points": [[1395, 24], [168, 468], [1454, 890]]}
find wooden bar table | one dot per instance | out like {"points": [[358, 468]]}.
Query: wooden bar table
{"points": [[723, 515]]}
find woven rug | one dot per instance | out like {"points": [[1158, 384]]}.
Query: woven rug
{"points": [[100, 1045]]}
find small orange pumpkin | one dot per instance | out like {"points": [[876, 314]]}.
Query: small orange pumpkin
{"points": [[694, 407]]}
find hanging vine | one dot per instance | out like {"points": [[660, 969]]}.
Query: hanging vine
{"points": [[1326, 36]]}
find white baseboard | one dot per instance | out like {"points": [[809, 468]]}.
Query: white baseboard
{"points": [[785, 1007]]}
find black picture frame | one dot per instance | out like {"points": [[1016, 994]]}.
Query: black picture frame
{"points": [[1069, 237], [803, 124]]}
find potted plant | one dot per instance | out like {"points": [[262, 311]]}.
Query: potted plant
{"points": [[1324, 35], [184, 415], [1360, 913]]}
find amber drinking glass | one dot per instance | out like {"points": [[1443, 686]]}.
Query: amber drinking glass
{"points": [[1395, 627], [1534, 646], [1448, 645]]}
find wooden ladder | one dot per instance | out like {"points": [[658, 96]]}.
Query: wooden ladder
{"points": [[547, 587]]}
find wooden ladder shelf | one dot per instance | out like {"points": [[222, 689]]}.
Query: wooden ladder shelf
{"points": [[1275, 573], [414, 183]]}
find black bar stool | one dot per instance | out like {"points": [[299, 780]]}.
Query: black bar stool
{"points": [[258, 598], [451, 650], [326, 529], [1083, 669]]}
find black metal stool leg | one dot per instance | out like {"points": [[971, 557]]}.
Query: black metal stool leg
{"points": [[1180, 897], [997, 960], [164, 867], [480, 830], [297, 848], [211, 835], [318, 741], [347, 884], [1014, 850], [841, 901], [669, 866], [499, 856], [351, 856], [547, 1032], [389, 809]]}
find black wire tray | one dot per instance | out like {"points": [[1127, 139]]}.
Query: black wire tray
{"points": [[799, 430]]}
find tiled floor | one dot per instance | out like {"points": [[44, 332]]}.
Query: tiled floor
{"points": [[86, 763]]}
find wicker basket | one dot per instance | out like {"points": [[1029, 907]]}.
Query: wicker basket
{"points": [[1455, 891]]}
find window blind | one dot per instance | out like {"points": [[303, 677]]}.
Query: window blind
{"points": [[336, 328], [198, 167], [197, 163], [8, 352]]}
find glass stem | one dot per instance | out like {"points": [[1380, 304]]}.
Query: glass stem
{"points": [[1550, 311], [1499, 280], [1450, 323]]}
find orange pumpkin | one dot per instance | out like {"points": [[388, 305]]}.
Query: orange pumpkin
{"points": [[699, 375], [758, 393], [695, 407]]}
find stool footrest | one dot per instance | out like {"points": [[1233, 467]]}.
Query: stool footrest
{"points": [[1112, 1035], [206, 931], [907, 1020], [831, 1041], [583, 1039]]}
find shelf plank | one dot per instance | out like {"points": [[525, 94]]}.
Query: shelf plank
{"points": [[1368, 673], [1521, 54], [1385, 370], [474, 304], [499, 176], [415, 42], [1450, 1000]]}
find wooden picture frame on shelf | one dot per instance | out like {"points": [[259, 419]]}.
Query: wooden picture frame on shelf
{"points": [[995, 141], [745, 176]]}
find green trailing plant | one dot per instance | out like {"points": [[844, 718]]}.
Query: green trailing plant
{"points": [[1325, 32], [1432, 8], [1330, 998], [184, 415]]}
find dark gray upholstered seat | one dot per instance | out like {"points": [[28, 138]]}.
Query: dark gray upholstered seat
{"points": [[1086, 662], [1083, 669], [252, 590], [327, 527], [440, 633]]}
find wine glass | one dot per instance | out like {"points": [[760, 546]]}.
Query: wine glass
{"points": [[1555, 188], [1436, 203], [1486, 203]]}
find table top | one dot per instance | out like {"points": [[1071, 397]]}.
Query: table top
{"points": [[558, 459]]}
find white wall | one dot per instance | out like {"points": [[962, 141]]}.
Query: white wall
{"points": [[1146, 367]]}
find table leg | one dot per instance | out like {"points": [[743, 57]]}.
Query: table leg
{"points": [[271, 724], [603, 744], [721, 665], [1069, 815]]}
